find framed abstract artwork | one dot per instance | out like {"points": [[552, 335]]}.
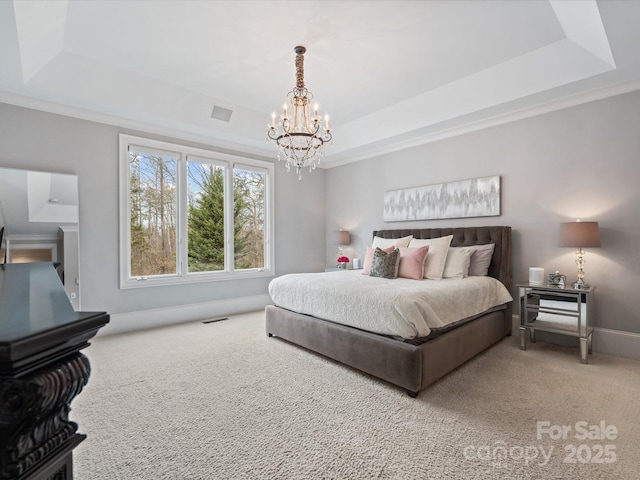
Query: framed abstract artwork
{"points": [[476, 197]]}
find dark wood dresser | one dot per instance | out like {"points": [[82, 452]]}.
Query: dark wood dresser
{"points": [[41, 372]]}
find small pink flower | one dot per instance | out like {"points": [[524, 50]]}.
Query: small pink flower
{"points": [[343, 259]]}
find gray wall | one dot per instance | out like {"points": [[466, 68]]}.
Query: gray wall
{"points": [[581, 162], [36, 140]]}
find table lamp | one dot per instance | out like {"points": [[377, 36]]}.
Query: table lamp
{"points": [[579, 234], [341, 238]]}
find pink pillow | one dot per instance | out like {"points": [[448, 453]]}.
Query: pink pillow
{"points": [[368, 259], [412, 262]]}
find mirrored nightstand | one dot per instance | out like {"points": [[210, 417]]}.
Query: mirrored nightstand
{"points": [[335, 269], [564, 311]]}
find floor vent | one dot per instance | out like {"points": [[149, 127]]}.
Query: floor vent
{"points": [[216, 320]]}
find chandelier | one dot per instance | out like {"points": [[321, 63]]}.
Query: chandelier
{"points": [[299, 136]]}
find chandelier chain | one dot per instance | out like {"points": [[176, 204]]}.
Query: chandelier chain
{"points": [[300, 71]]}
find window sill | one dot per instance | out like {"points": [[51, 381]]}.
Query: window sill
{"points": [[162, 281]]}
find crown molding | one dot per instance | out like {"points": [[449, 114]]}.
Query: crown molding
{"points": [[351, 156], [212, 140], [331, 160]]}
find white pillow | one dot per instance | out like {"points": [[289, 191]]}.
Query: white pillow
{"points": [[437, 256], [458, 260], [391, 242]]}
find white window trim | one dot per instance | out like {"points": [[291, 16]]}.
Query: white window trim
{"points": [[182, 277]]}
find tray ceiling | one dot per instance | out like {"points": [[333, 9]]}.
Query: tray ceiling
{"points": [[390, 74]]}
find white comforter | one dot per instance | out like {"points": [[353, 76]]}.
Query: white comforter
{"points": [[401, 307]]}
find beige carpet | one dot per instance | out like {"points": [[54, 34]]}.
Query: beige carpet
{"points": [[224, 401]]}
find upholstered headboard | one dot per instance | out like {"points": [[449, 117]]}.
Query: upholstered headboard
{"points": [[500, 266]]}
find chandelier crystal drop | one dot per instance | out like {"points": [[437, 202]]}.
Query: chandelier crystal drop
{"points": [[299, 136]]}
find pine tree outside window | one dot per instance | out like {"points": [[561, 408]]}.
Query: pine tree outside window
{"points": [[206, 213]]}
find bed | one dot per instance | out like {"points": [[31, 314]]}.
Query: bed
{"points": [[416, 363]]}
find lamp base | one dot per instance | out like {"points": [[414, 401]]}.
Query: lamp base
{"points": [[580, 286]]}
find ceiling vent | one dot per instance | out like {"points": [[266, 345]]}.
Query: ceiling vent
{"points": [[220, 113]]}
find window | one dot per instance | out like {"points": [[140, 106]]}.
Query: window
{"points": [[189, 214]]}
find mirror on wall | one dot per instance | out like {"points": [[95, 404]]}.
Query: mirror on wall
{"points": [[39, 223]]}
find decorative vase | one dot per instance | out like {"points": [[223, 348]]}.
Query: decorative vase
{"points": [[342, 265]]}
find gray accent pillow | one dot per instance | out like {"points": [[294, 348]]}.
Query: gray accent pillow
{"points": [[481, 259], [385, 265]]}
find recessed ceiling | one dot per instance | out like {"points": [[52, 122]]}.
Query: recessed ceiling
{"points": [[389, 73]]}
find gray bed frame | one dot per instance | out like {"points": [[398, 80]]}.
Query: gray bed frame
{"points": [[411, 367]]}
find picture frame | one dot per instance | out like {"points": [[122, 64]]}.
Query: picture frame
{"points": [[556, 279]]}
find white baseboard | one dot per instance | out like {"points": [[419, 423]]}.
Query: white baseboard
{"points": [[616, 342], [605, 340], [158, 317]]}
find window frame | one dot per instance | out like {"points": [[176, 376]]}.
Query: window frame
{"points": [[182, 276]]}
